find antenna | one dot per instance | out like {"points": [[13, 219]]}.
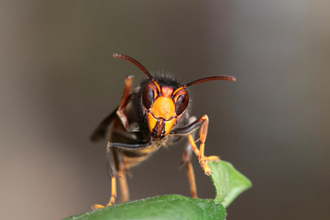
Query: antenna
{"points": [[139, 65], [211, 78]]}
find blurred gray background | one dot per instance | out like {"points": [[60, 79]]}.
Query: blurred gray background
{"points": [[58, 80]]}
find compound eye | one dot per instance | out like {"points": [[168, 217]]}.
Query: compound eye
{"points": [[181, 104], [147, 96]]}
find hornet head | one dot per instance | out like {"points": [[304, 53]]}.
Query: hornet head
{"points": [[163, 103]]}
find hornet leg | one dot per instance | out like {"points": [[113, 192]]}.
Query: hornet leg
{"points": [[121, 171], [120, 111], [122, 179], [112, 172], [186, 159], [200, 153], [201, 123]]}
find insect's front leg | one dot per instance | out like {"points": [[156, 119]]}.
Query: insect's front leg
{"points": [[112, 173], [202, 137], [201, 123], [120, 111], [120, 171]]}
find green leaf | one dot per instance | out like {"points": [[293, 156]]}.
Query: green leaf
{"points": [[228, 182], [160, 207]]}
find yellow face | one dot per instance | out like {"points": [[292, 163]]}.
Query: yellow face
{"points": [[162, 109], [163, 112]]}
